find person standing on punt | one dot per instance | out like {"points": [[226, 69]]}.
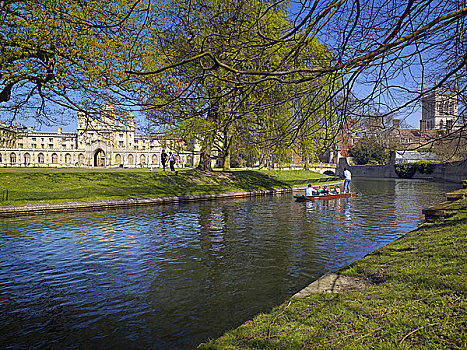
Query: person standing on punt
{"points": [[347, 179], [309, 191]]}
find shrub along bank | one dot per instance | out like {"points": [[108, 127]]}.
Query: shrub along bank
{"points": [[416, 300], [18, 186], [408, 170]]}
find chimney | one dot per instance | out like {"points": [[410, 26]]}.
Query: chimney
{"points": [[30, 129], [59, 130]]}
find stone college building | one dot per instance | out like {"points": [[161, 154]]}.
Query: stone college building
{"points": [[102, 142]]}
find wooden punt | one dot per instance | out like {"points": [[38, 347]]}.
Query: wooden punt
{"points": [[301, 197]]}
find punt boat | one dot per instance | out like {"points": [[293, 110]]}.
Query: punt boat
{"points": [[301, 197]]}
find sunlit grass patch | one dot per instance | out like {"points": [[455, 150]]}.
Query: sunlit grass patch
{"points": [[19, 186]]}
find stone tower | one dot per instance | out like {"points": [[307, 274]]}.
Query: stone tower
{"points": [[440, 110]]}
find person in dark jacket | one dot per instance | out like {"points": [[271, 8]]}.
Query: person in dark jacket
{"points": [[163, 159]]}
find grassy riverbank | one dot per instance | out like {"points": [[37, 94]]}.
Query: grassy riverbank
{"points": [[18, 186], [417, 300]]}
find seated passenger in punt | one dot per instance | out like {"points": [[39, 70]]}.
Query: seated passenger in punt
{"points": [[336, 190]]}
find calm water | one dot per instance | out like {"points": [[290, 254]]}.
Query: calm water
{"points": [[170, 277]]}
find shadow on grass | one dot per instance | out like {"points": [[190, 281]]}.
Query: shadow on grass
{"points": [[83, 186], [253, 180], [250, 181]]}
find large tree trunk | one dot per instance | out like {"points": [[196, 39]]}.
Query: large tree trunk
{"points": [[208, 140], [226, 166], [306, 161], [227, 147], [206, 148], [205, 159]]}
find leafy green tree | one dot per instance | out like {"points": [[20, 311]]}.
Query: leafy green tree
{"points": [[218, 108], [376, 45], [369, 150], [68, 53]]}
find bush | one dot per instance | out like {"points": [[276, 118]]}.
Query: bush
{"points": [[426, 166], [407, 170]]}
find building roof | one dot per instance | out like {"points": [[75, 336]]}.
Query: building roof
{"points": [[413, 156]]}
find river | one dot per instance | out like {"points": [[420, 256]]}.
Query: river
{"points": [[172, 276]]}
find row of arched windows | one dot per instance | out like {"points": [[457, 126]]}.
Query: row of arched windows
{"points": [[54, 158], [119, 159], [27, 159]]}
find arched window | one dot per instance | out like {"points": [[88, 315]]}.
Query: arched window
{"points": [[40, 158], [13, 158], [54, 158], [118, 159], [131, 159], [68, 158], [142, 159], [154, 159], [81, 159], [27, 158]]}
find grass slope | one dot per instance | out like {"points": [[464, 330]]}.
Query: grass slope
{"points": [[417, 301], [52, 185]]}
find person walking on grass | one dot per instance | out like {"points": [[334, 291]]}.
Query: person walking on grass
{"points": [[172, 161], [347, 179], [163, 159]]}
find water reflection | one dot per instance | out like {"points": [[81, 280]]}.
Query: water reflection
{"points": [[170, 276]]}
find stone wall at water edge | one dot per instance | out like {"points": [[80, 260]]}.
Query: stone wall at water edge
{"points": [[452, 172]]}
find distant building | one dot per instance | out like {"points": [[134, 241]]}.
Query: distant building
{"points": [[107, 141], [7, 136], [412, 156], [409, 139], [440, 110], [440, 116]]}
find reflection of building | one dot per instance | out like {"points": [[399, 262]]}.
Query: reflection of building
{"points": [[107, 141]]}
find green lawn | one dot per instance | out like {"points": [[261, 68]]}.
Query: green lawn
{"points": [[417, 300], [52, 185]]}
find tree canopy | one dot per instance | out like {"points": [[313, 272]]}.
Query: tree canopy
{"points": [[68, 53], [286, 74], [212, 102], [370, 150]]}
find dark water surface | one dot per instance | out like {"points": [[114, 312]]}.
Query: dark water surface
{"points": [[170, 277]]}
